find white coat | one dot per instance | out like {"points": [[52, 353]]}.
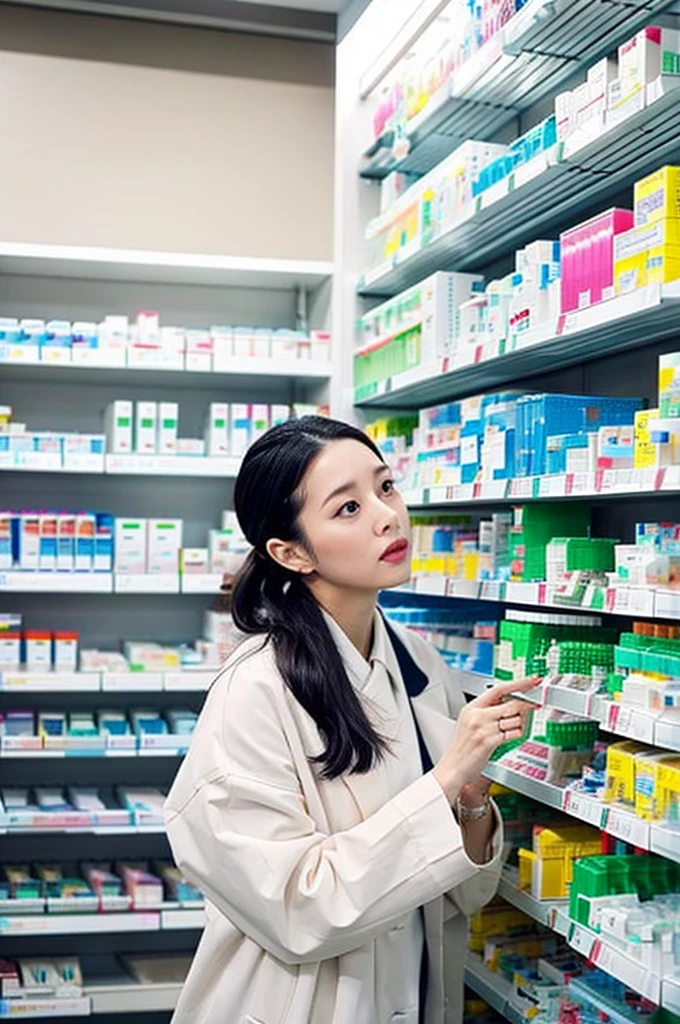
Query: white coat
{"points": [[307, 880]]}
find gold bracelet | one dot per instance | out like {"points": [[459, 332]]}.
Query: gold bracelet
{"points": [[465, 813]]}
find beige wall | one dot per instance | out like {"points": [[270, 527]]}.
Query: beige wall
{"points": [[126, 133]]}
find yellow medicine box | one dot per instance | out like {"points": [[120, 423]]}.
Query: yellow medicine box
{"points": [[644, 451], [630, 273], [657, 196], [650, 802], [620, 784], [646, 255]]}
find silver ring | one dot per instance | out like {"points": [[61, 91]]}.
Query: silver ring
{"points": [[500, 727]]}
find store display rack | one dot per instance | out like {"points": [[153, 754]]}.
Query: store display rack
{"points": [[82, 283], [17, 582], [121, 465], [185, 681], [639, 318], [574, 180], [650, 603], [566, 180], [543, 46], [602, 484]]}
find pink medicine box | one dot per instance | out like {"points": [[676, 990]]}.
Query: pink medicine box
{"points": [[587, 256]]}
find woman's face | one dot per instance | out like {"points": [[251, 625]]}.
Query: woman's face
{"points": [[355, 520]]}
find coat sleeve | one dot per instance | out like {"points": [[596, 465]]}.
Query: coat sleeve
{"points": [[240, 830], [474, 892]]}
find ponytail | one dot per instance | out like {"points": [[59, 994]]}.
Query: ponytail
{"points": [[269, 599]]}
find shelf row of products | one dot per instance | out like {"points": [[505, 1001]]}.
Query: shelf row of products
{"points": [[81, 807], [457, 316], [98, 542], [46, 653], [93, 887], [97, 733], [460, 31], [142, 428], [530, 543], [118, 341], [414, 215], [508, 435], [33, 987]]}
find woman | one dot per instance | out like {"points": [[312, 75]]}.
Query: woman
{"points": [[339, 829]]}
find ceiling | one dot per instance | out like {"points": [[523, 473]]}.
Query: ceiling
{"points": [[301, 19]]}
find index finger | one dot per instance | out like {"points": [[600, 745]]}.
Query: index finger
{"points": [[498, 693]]}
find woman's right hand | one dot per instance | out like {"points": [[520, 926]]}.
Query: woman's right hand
{"points": [[483, 725]]}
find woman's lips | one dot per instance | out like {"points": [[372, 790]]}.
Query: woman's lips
{"points": [[396, 552]]}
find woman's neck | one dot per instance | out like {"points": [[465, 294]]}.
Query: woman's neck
{"points": [[352, 610]]}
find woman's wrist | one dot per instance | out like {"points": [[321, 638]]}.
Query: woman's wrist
{"points": [[466, 812], [449, 781]]}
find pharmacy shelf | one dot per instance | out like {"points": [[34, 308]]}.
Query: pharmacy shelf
{"points": [[32, 1008], [616, 821], [98, 263], [18, 363], [121, 465], [125, 996], [156, 746], [638, 318], [656, 728], [171, 465], [12, 925], [12, 582], [559, 183], [551, 796], [600, 485], [648, 602], [79, 830], [606, 956], [105, 996], [493, 988], [535, 54], [187, 681], [549, 913], [106, 583]]}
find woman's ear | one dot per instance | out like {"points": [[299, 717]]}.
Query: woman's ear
{"points": [[290, 556]]}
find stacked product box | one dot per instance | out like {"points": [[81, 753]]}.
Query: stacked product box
{"points": [[151, 428], [118, 341], [649, 253], [418, 327]]}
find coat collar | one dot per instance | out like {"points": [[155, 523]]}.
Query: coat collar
{"points": [[357, 667], [370, 791]]}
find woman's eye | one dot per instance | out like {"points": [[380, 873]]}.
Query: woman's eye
{"points": [[350, 508], [388, 486]]}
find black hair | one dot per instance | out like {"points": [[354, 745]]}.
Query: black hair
{"points": [[274, 601]]}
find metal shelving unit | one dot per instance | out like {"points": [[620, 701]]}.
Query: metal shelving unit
{"points": [[543, 46], [78, 283], [568, 180], [639, 318]]}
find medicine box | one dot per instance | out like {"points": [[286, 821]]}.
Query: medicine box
{"points": [[118, 427], [657, 196], [48, 542], [66, 542], [146, 414], [240, 428], [260, 421], [130, 546], [167, 425], [194, 561], [28, 555], [85, 525], [217, 429], [164, 540], [644, 454]]}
